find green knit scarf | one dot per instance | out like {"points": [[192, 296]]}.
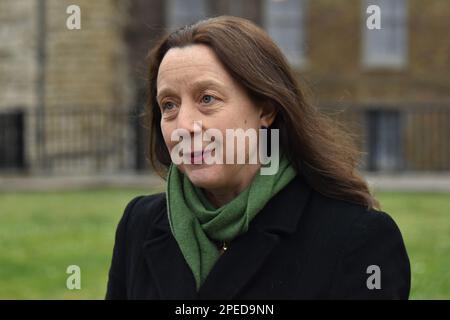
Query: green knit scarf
{"points": [[196, 223]]}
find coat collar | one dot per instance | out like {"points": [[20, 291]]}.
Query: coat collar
{"points": [[172, 274]]}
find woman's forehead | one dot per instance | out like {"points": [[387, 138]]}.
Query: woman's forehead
{"points": [[193, 56], [191, 65]]}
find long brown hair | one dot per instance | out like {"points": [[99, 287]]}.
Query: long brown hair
{"points": [[319, 150]]}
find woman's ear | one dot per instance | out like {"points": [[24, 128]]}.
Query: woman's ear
{"points": [[267, 114]]}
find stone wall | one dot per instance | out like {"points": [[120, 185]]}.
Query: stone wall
{"points": [[18, 45], [334, 55], [84, 69]]}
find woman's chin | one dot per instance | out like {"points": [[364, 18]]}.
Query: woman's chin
{"points": [[204, 176]]}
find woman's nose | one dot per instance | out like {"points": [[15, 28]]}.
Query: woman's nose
{"points": [[188, 118]]}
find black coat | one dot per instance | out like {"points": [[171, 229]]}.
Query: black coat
{"points": [[302, 245]]}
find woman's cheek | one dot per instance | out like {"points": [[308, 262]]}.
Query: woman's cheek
{"points": [[166, 132]]}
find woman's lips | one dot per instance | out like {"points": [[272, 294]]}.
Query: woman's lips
{"points": [[198, 157]]}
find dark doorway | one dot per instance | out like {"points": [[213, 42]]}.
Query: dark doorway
{"points": [[12, 140]]}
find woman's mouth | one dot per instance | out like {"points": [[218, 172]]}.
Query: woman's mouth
{"points": [[198, 157]]}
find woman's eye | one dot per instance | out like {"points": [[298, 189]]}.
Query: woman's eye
{"points": [[207, 98], [167, 106]]}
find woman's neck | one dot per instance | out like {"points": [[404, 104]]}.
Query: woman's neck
{"points": [[221, 196]]}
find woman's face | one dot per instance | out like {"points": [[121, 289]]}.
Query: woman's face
{"points": [[193, 87]]}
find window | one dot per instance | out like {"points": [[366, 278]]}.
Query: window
{"points": [[385, 140], [386, 47], [183, 12], [284, 22]]}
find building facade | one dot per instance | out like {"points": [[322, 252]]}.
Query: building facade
{"points": [[69, 99]]}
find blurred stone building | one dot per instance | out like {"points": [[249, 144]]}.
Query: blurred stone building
{"points": [[69, 99], [63, 92]]}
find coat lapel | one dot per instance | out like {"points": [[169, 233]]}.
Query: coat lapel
{"points": [[244, 257], [247, 253]]}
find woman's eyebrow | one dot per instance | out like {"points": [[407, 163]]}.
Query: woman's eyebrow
{"points": [[201, 84], [196, 85], [164, 92]]}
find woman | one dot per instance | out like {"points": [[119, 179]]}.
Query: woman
{"points": [[224, 230]]}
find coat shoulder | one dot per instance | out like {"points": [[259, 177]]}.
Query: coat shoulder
{"points": [[361, 239], [348, 226], [133, 226], [145, 206], [347, 218], [143, 211]]}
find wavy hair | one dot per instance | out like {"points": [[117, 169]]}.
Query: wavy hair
{"points": [[320, 151]]}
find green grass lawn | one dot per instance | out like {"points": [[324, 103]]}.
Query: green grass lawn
{"points": [[424, 219], [43, 233]]}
